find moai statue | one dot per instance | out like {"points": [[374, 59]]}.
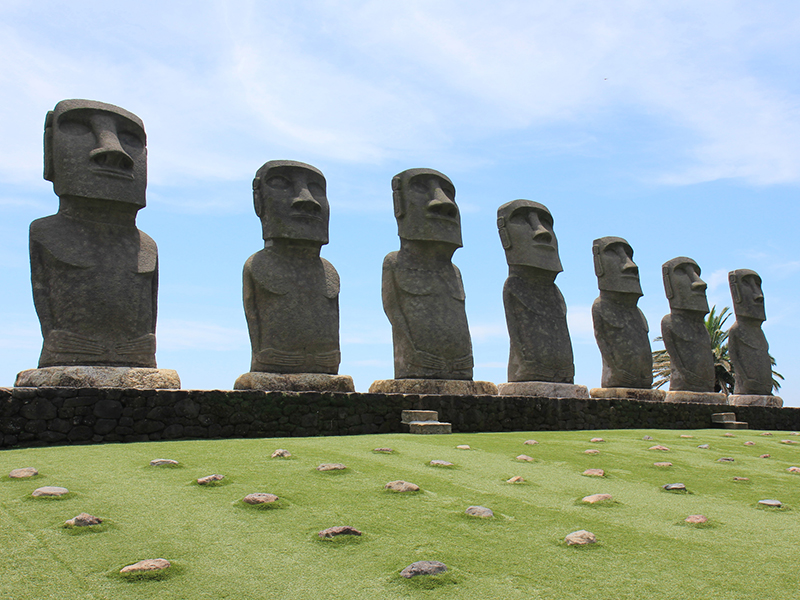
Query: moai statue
{"points": [[685, 335], [423, 295], [291, 294], [620, 327], [540, 360], [747, 344], [94, 274]]}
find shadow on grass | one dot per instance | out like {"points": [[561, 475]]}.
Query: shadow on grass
{"points": [[67, 496]]}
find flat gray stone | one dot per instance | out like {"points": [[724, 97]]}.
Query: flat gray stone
{"points": [[591, 451], [704, 447], [674, 486], [525, 458], [83, 520], [748, 443], [479, 511], [408, 416], [543, 389], [281, 453], [793, 470], [163, 462], [383, 450], [696, 519], [648, 438], [332, 532], [580, 538], [147, 565], [755, 400], [294, 382], [659, 447], [642, 395], [597, 440], [448, 387], [23, 473], [49, 491], [401, 486], [423, 567], [725, 459], [331, 467], [695, 397], [765, 433], [788, 442], [594, 473], [595, 498], [463, 447], [210, 479], [441, 463], [771, 503], [530, 443], [260, 498], [430, 427], [515, 479], [662, 464], [100, 377]]}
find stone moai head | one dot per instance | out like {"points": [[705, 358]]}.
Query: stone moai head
{"points": [[614, 266], [748, 299], [526, 232], [289, 198], [425, 207], [95, 150], [683, 286]]}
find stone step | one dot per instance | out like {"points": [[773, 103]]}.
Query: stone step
{"points": [[727, 417], [430, 427], [735, 425], [407, 416]]}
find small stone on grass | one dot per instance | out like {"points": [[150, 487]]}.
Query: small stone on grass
{"points": [[771, 503], [331, 467], [648, 438], [788, 442], [463, 447], [423, 567], [764, 456], [741, 479], [144, 566], [281, 453], [260, 498], [331, 532], [210, 479], [662, 464], [674, 486], [579, 538], [594, 473], [687, 436], [83, 520], [595, 498], [383, 450], [596, 440], [728, 435], [659, 447], [162, 462], [441, 463], [766, 433], [401, 486], [23, 473], [725, 459], [696, 519], [749, 443], [479, 511], [515, 479], [591, 451], [793, 469], [704, 446], [49, 491], [530, 442], [525, 458]]}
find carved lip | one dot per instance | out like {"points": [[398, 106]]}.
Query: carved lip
{"points": [[439, 217], [307, 216], [110, 172]]}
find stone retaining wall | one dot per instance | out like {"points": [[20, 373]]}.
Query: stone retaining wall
{"points": [[56, 416]]}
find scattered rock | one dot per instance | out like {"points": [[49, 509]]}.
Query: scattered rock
{"points": [[525, 458], [725, 459], [463, 447], [788, 442], [795, 433], [479, 511], [766, 433], [687, 436], [331, 467], [741, 479], [591, 451], [659, 447], [259, 498], [648, 438], [49, 491], [441, 463], [749, 443], [401, 486], [515, 479], [674, 486], [594, 473], [728, 435], [579, 538], [384, 450], [793, 469], [704, 446], [595, 440], [331, 532], [281, 453], [771, 503], [23, 472], [662, 464], [210, 479], [423, 567], [143, 566], [595, 498], [696, 519], [83, 520], [764, 456], [161, 462], [530, 442]]}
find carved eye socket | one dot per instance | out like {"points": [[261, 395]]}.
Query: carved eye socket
{"points": [[279, 182], [449, 191], [130, 139], [418, 187], [73, 127], [546, 220], [316, 190]]}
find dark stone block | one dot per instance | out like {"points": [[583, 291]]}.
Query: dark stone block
{"points": [[52, 437], [187, 408], [104, 426], [36, 426], [79, 401], [59, 425], [108, 409], [173, 432], [10, 406], [24, 393], [240, 417], [241, 429], [66, 413], [39, 408], [126, 422], [146, 426], [81, 433], [193, 431]]}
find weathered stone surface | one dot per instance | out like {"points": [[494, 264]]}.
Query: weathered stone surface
{"points": [[525, 458], [659, 447], [147, 565], [163, 462], [449, 387], [725, 459], [281, 453], [662, 464], [648, 438], [479, 511], [687, 436], [596, 440], [788, 442], [294, 382], [260, 498], [747, 344], [430, 427], [674, 486], [704, 446], [530, 443], [771, 503], [291, 295], [331, 467], [683, 330], [591, 451], [49, 491], [515, 479], [696, 519], [536, 313], [23, 473], [793, 469], [580, 538], [728, 434], [210, 479], [764, 456], [441, 463], [83, 520], [741, 479], [423, 567], [383, 450], [543, 389], [94, 274], [401, 486], [695, 397], [100, 377], [332, 532], [754, 400], [595, 498], [748, 443], [423, 295], [629, 394], [620, 327], [594, 473], [463, 447], [766, 433]]}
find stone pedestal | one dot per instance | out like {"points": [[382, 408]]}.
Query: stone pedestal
{"points": [[449, 387], [100, 377], [755, 400], [543, 389], [696, 397], [648, 395], [294, 382]]}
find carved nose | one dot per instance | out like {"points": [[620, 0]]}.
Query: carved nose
{"points": [[699, 286], [442, 206], [630, 268], [306, 203], [542, 236], [109, 153]]}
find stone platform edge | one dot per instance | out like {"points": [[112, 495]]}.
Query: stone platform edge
{"points": [[60, 416]]}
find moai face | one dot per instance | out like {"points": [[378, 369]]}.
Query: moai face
{"points": [[526, 232], [614, 266], [748, 299], [289, 198], [95, 150], [425, 207], [685, 290]]}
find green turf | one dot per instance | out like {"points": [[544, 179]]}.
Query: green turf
{"points": [[222, 548]]}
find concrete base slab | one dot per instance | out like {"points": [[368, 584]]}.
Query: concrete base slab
{"points": [[100, 377], [754, 400], [294, 382], [450, 387], [543, 389], [696, 397], [430, 427], [629, 394]]}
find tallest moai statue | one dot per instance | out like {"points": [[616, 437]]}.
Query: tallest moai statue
{"points": [[94, 274]]}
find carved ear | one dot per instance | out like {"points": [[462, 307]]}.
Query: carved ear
{"points": [[733, 281], [598, 263], [667, 284], [505, 239], [257, 197], [48, 146], [397, 197]]}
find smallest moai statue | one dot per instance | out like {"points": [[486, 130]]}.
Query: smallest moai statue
{"points": [[685, 335], [747, 344], [620, 327]]}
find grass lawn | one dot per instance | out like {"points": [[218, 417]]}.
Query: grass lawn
{"points": [[222, 548]]}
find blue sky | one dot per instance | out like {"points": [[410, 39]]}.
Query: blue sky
{"points": [[675, 125]]}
